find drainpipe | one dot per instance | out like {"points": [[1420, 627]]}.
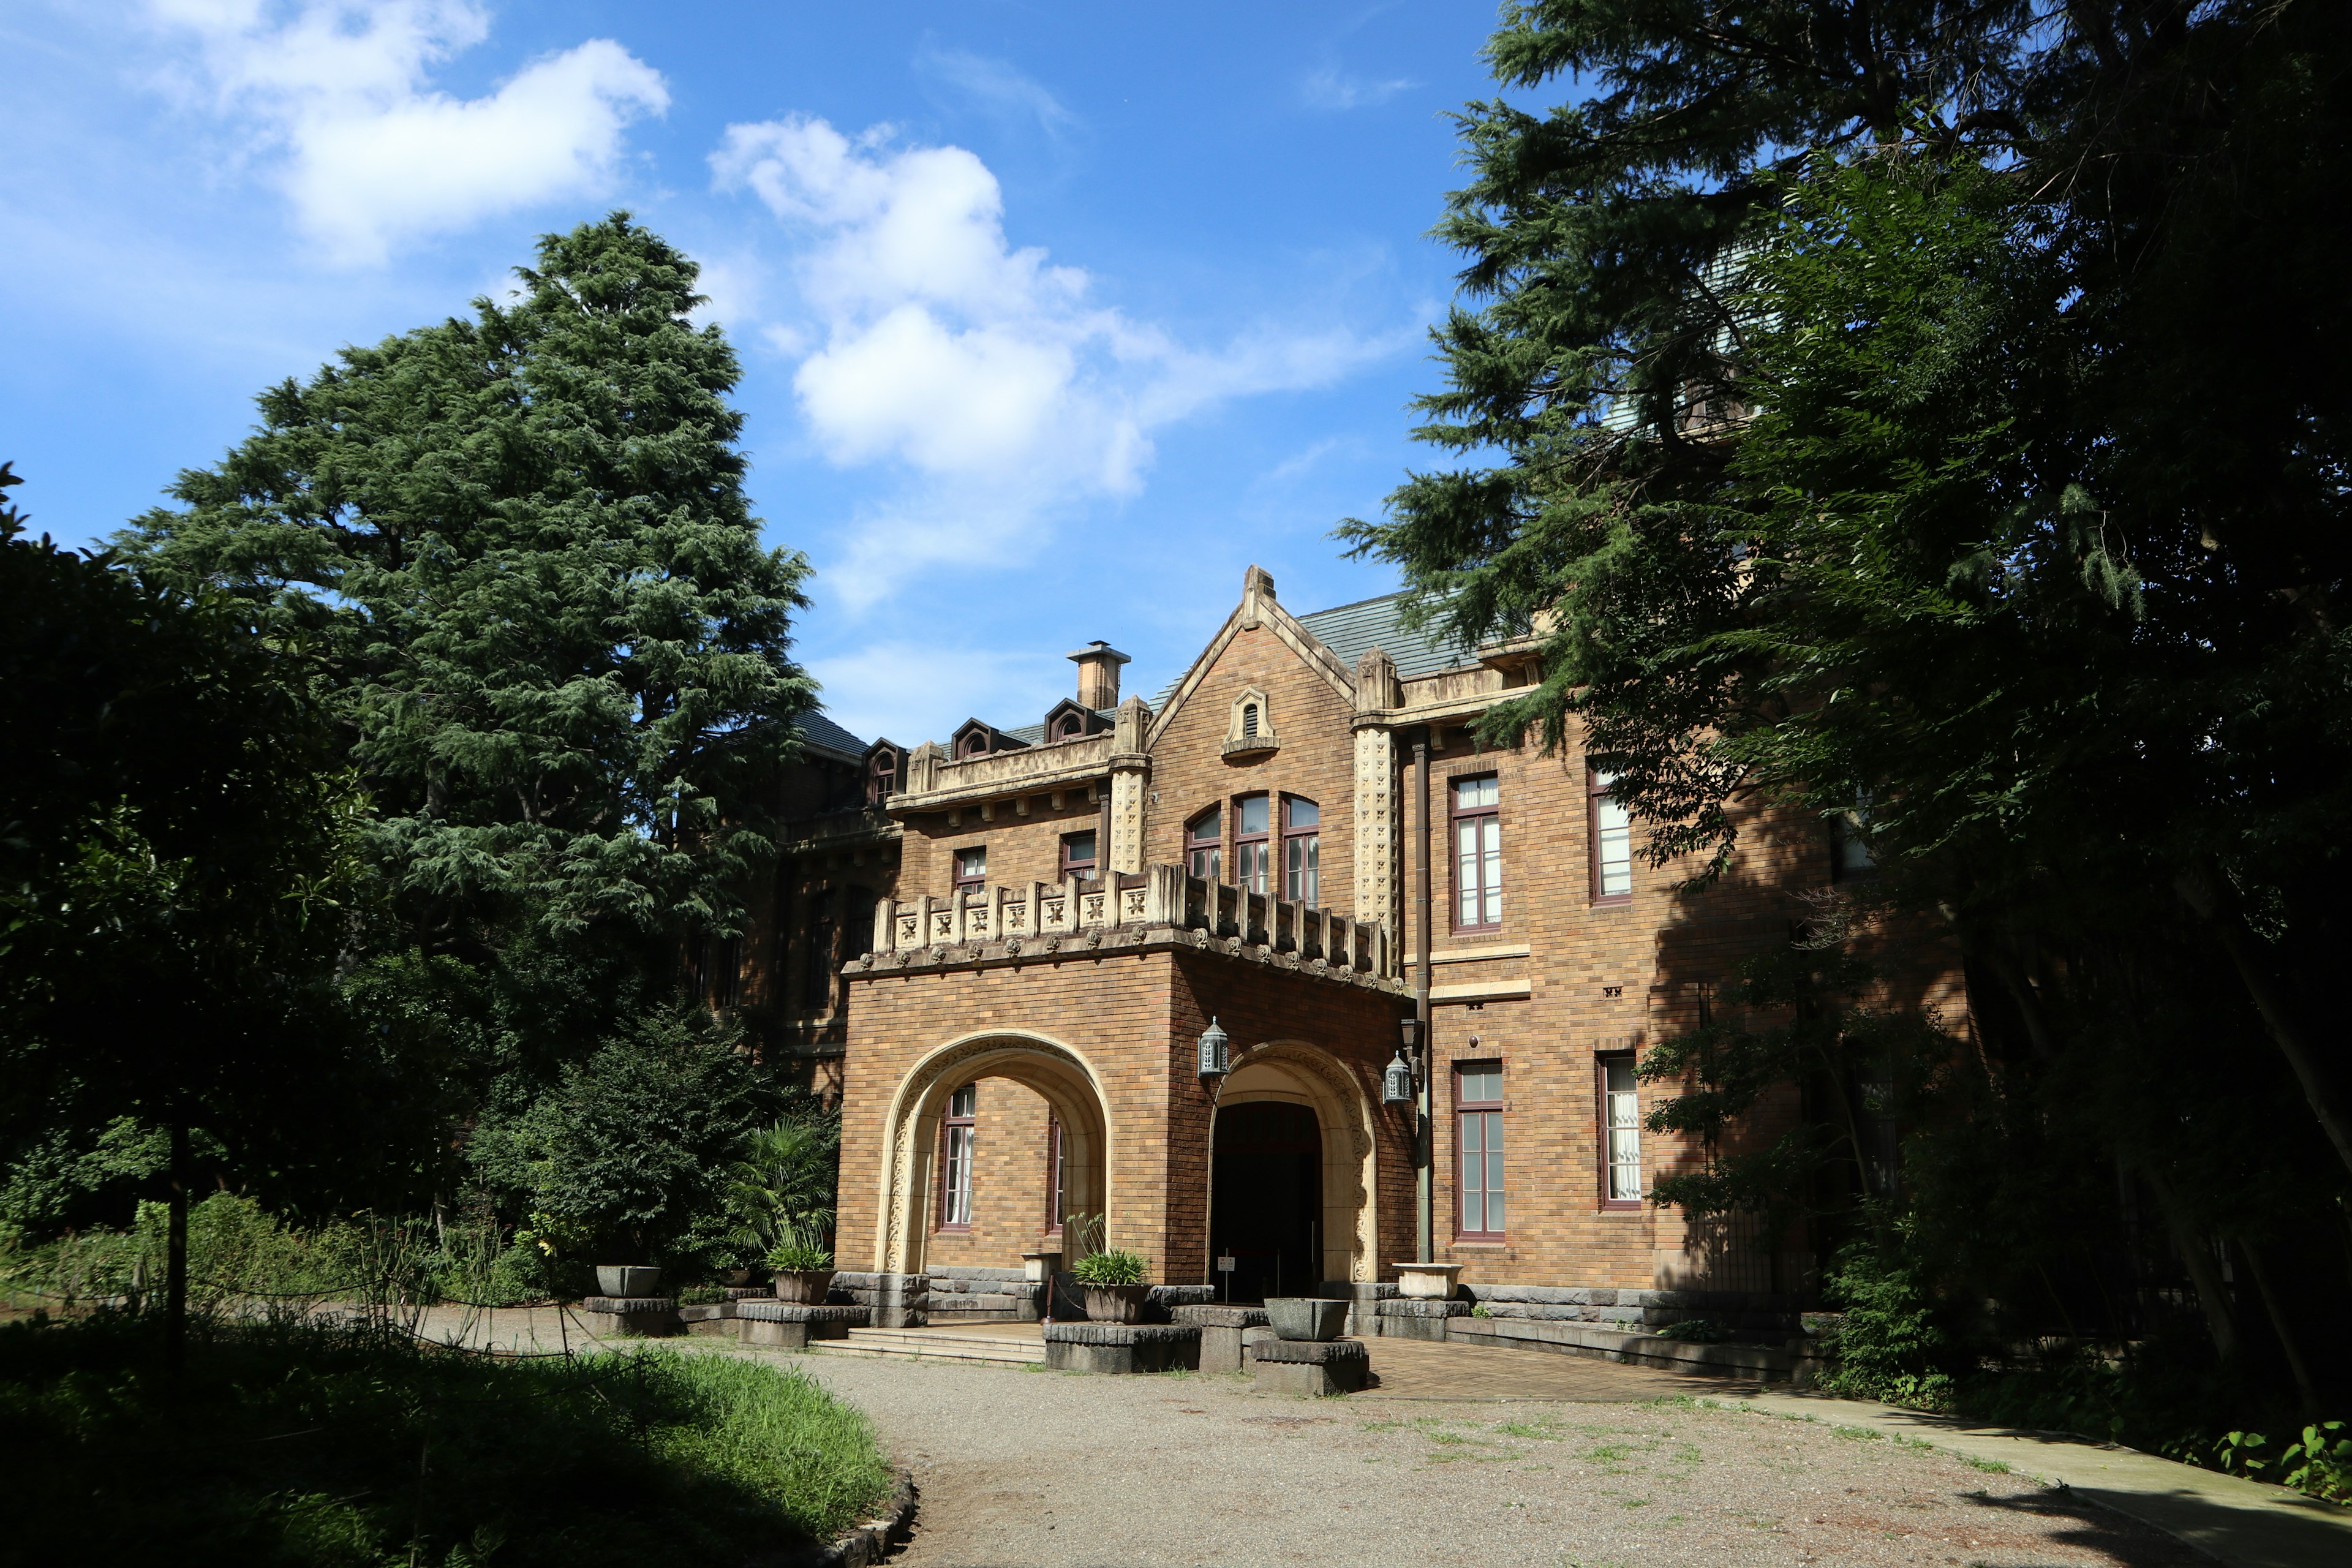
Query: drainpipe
{"points": [[1423, 1181]]}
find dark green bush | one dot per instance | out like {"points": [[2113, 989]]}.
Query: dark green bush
{"points": [[1891, 1344]]}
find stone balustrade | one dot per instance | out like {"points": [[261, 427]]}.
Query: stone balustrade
{"points": [[1159, 895]]}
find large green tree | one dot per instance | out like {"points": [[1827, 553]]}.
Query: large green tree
{"points": [[1926, 417], [556, 639]]}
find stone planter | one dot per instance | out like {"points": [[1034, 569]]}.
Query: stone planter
{"points": [[736, 1278], [627, 1280], [1427, 1281], [1115, 1303], [1306, 1316], [803, 1287]]}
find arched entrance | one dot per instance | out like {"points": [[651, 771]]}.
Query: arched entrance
{"points": [[1046, 1068], [1268, 1181], [1291, 1172]]}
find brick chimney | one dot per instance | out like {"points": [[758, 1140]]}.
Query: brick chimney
{"points": [[1098, 665]]}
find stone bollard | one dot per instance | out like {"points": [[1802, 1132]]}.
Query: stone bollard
{"points": [[902, 1300], [1122, 1347], [1222, 1329], [645, 1317], [1419, 1318], [791, 1326], [1312, 1368]]}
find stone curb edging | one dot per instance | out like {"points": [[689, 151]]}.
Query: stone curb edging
{"points": [[869, 1541]]}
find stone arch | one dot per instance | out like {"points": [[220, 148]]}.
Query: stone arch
{"points": [[1304, 1073], [1048, 1069]]}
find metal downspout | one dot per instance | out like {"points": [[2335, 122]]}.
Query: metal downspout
{"points": [[1424, 1181]]}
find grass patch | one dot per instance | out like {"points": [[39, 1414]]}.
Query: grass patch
{"points": [[1990, 1466], [1858, 1434], [319, 1446]]}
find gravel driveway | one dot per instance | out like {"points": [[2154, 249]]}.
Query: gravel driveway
{"points": [[1024, 1466]]}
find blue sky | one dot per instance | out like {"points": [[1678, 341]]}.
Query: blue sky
{"points": [[1053, 316]]}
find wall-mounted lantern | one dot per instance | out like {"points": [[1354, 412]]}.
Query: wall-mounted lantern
{"points": [[1396, 1083], [1215, 1062], [1409, 1033]]}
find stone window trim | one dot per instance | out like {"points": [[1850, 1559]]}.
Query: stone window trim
{"points": [[1485, 820], [1605, 828], [956, 1140], [1619, 1144], [1478, 1116], [1249, 727]]}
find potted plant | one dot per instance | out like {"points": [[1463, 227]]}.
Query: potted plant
{"points": [[1112, 1278], [804, 1268]]}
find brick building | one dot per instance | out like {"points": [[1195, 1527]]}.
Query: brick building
{"points": [[1003, 951]]}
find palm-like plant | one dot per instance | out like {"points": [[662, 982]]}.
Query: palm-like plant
{"points": [[782, 1187]]}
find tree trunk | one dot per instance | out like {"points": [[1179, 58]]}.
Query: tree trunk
{"points": [[176, 1256], [2303, 1383], [2197, 1258], [2205, 893]]}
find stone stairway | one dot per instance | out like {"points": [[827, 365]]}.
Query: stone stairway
{"points": [[1023, 1345]]}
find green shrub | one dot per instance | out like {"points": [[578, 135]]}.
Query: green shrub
{"points": [[1115, 1266], [1890, 1345], [319, 1446], [800, 1251]]}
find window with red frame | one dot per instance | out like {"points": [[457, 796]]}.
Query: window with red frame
{"points": [[955, 1159], [1621, 1132], [1253, 852], [1204, 845], [1612, 844], [881, 777], [971, 867], [1302, 826], [1078, 855], [1478, 1135], [1477, 811]]}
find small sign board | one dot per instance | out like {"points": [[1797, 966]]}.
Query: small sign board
{"points": [[1225, 1264]]}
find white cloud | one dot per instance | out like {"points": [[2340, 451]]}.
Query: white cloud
{"points": [[998, 88], [368, 152], [1327, 86], [984, 371]]}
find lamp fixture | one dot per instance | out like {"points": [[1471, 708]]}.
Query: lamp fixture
{"points": [[1409, 1033], [1396, 1083], [1214, 1060]]}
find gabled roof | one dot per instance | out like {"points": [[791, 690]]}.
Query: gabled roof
{"points": [[1350, 630], [822, 734], [1034, 735]]}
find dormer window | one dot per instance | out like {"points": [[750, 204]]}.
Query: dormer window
{"points": [[881, 777], [975, 745], [1070, 728]]}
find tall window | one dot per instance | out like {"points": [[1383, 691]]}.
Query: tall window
{"points": [[881, 777], [727, 970], [955, 1160], [1249, 720], [1052, 1171], [971, 867], [1251, 852], [1621, 1122], [1078, 855], [1850, 844], [1477, 853], [817, 996], [1302, 875], [1478, 1123], [1204, 845], [1612, 843]]}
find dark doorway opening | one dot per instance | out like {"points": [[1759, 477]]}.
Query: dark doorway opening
{"points": [[1268, 1210]]}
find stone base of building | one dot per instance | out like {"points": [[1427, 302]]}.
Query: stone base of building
{"points": [[1311, 1368], [1418, 1318], [1227, 1334], [641, 1317], [897, 1300], [791, 1326], [1122, 1347]]}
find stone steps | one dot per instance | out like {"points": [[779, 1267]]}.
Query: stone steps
{"points": [[939, 1344]]}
